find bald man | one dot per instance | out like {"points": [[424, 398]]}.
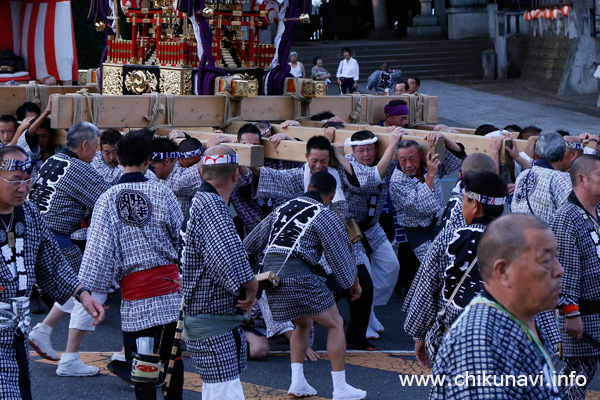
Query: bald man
{"points": [[452, 215], [495, 339], [218, 284]]}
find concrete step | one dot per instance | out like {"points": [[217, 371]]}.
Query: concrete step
{"points": [[427, 59]]}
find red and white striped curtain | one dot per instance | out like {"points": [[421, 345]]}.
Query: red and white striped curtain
{"points": [[41, 31]]}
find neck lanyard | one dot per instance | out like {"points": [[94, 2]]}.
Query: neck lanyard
{"points": [[525, 328]]}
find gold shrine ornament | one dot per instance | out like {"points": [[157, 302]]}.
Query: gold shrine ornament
{"points": [[139, 82]]}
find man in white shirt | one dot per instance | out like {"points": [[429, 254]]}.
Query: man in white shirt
{"points": [[347, 73]]}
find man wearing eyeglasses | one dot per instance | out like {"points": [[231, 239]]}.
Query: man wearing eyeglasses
{"points": [[30, 255]]}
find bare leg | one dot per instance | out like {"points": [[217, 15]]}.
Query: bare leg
{"points": [[75, 339], [53, 317], [300, 338], [336, 341], [259, 345]]}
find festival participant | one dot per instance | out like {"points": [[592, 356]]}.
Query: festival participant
{"points": [[540, 191], [294, 238], [163, 158], [396, 114], [455, 248], [291, 183], [133, 212], [27, 243], [27, 110], [416, 190], [271, 183], [496, 335], [575, 224], [365, 185], [66, 189], [217, 283], [185, 178], [37, 139], [8, 127], [384, 80], [452, 215], [250, 210], [106, 161], [545, 187]]}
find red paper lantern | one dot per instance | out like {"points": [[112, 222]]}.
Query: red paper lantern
{"points": [[547, 13], [537, 14], [528, 16], [565, 10], [555, 13]]}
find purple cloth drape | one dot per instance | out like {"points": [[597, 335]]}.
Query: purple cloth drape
{"points": [[207, 72], [282, 69], [99, 12]]}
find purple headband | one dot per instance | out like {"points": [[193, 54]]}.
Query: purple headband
{"points": [[400, 109]]}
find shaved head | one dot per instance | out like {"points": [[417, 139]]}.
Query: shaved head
{"points": [[583, 165], [218, 172], [505, 238], [478, 162]]}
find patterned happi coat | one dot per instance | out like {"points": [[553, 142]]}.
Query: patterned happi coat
{"points": [[214, 266], [36, 259], [134, 228]]}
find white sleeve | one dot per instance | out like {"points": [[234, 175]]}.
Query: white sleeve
{"points": [[339, 71], [589, 150]]}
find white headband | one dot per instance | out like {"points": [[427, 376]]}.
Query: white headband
{"points": [[348, 142], [491, 201]]}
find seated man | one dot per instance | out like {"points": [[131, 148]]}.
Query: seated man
{"points": [[401, 88], [496, 335], [414, 84]]}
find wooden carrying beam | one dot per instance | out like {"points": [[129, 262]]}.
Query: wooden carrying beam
{"points": [[11, 97], [129, 111], [360, 127], [291, 150], [472, 143]]}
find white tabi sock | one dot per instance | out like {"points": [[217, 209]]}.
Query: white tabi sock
{"points": [[298, 373], [339, 380], [65, 357], [47, 329]]}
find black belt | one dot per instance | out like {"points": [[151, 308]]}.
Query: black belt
{"points": [[587, 307]]}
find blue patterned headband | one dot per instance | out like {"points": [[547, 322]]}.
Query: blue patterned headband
{"points": [[574, 145], [491, 201], [191, 153], [165, 156], [8, 164]]}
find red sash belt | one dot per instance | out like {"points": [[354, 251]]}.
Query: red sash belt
{"points": [[150, 283]]}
